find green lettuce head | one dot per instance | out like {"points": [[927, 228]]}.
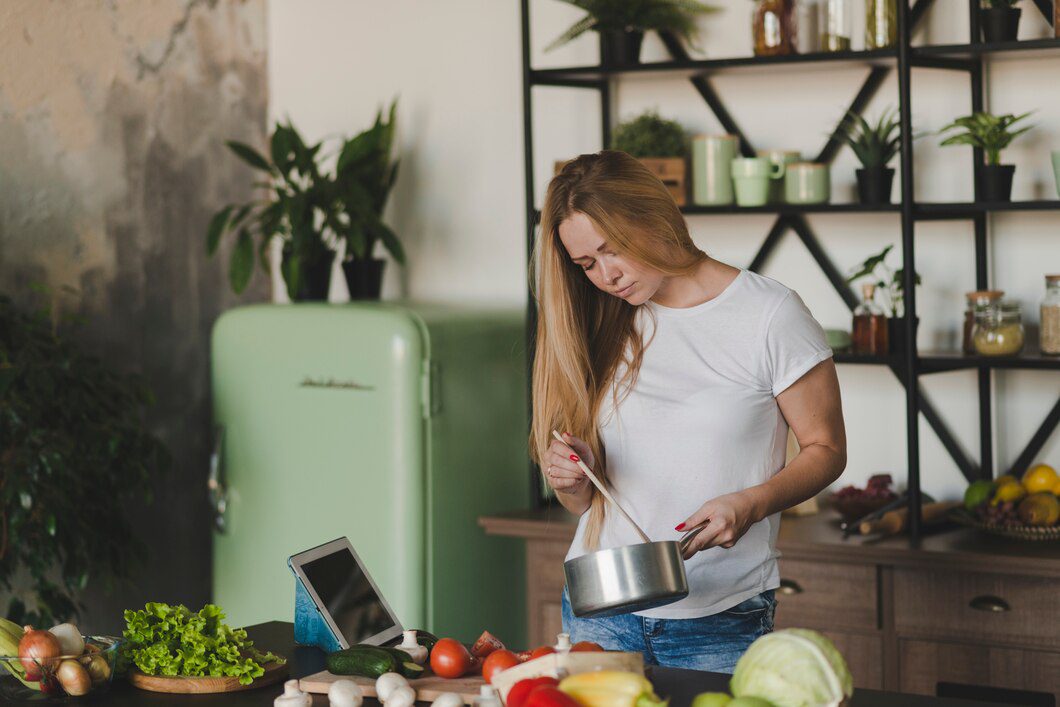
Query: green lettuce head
{"points": [[795, 667]]}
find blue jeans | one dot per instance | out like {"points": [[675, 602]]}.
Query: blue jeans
{"points": [[712, 643]]}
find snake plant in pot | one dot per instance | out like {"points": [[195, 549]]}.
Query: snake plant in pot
{"points": [[874, 146], [1000, 20], [621, 25], [990, 133]]}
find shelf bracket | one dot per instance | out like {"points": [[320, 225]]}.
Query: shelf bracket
{"points": [[1046, 7], [1048, 426]]}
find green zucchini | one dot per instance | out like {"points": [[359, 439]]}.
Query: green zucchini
{"points": [[366, 661], [406, 666]]}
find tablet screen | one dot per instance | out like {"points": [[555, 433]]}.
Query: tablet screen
{"points": [[348, 596]]}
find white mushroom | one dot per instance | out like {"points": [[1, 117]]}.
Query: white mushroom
{"points": [[387, 683], [345, 693], [448, 699], [292, 696], [403, 696]]}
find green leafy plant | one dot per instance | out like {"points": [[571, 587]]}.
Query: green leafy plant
{"points": [[676, 16], [74, 454], [648, 135], [889, 282], [992, 133], [309, 208], [171, 640], [874, 145]]}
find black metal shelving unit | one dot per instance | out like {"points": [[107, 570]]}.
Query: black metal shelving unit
{"points": [[909, 364]]}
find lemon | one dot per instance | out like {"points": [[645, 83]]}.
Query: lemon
{"points": [[1040, 478], [1005, 479], [1056, 489], [1008, 491]]}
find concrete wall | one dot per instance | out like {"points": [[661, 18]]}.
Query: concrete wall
{"points": [[459, 201], [112, 121]]}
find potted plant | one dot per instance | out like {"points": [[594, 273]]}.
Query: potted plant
{"points": [[367, 174], [874, 146], [891, 285], [621, 25], [75, 454], [991, 133], [1000, 20], [661, 145], [310, 210]]}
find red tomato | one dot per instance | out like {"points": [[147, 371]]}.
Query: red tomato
{"points": [[497, 661], [486, 644], [581, 646], [522, 689], [543, 650], [450, 659]]}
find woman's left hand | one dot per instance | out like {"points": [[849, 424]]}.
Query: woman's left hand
{"points": [[727, 517]]}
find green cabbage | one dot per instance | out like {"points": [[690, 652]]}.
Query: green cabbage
{"points": [[793, 668]]}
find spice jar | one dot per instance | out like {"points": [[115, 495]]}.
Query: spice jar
{"points": [[977, 301], [1050, 332], [999, 330], [773, 27], [881, 23]]}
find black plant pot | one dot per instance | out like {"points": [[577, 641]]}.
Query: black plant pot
{"points": [[364, 278], [619, 47], [896, 334], [874, 185], [995, 182], [316, 280], [1000, 24]]}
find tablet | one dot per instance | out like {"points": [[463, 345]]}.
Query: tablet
{"points": [[345, 594]]}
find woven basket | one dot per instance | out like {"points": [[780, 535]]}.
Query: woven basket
{"points": [[1016, 532]]}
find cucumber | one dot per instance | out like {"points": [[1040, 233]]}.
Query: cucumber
{"points": [[406, 666], [366, 661]]}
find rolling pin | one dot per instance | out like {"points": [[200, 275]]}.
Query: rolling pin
{"points": [[893, 522]]}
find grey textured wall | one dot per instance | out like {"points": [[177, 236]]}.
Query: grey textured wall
{"points": [[112, 121]]}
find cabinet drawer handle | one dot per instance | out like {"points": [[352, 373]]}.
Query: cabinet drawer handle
{"points": [[990, 603], [789, 587]]}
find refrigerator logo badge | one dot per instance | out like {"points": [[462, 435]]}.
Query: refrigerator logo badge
{"points": [[308, 382]]}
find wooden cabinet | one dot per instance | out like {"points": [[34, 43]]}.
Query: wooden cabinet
{"points": [[964, 611]]}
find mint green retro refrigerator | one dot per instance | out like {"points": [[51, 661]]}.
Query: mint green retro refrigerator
{"points": [[394, 425]]}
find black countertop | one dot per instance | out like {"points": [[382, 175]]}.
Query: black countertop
{"points": [[278, 636]]}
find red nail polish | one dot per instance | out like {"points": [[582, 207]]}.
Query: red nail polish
{"points": [[680, 527], [575, 458]]}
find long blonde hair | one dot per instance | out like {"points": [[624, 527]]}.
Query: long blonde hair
{"points": [[583, 333]]}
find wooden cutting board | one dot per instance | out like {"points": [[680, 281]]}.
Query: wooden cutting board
{"points": [[274, 672], [427, 689]]}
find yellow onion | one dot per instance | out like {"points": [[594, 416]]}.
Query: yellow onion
{"points": [[73, 678], [37, 646]]}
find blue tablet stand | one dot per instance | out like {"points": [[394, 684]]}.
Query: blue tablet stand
{"points": [[310, 628]]}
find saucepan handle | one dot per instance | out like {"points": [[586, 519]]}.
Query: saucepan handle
{"points": [[689, 536]]}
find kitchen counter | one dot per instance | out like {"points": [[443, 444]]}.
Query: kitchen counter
{"points": [[680, 685]]}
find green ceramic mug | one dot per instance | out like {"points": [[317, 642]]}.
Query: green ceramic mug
{"points": [[712, 157], [785, 157], [752, 177], [1056, 169], [807, 183]]}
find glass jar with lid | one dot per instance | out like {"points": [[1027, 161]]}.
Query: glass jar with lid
{"points": [[773, 27], [977, 301], [836, 25], [1050, 332], [881, 23], [999, 330]]}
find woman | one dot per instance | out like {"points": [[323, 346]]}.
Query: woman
{"points": [[675, 377]]}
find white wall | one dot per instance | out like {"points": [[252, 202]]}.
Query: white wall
{"points": [[458, 204]]}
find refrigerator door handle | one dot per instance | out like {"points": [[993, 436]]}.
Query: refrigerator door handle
{"points": [[214, 485]]}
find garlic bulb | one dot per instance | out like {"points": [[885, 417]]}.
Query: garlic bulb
{"points": [[69, 639]]}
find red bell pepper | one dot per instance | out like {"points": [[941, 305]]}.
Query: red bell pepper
{"points": [[547, 696], [517, 696]]}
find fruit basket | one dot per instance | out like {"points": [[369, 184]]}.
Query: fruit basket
{"points": [[61, 677], [1011, 530]]}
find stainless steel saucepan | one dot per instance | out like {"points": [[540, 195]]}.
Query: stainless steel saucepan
{"points": [[630, 578]]}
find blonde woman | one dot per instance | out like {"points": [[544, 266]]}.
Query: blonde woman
{"points": [[675, 377]]}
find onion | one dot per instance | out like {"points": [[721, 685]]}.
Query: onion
{"points": [[69, 639], [37, 646], [73, 678]]}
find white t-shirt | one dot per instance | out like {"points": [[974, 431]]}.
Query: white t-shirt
{"points": [[703, 421]]}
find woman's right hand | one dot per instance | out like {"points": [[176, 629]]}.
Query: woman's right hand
{"points": [[561, 471]]}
